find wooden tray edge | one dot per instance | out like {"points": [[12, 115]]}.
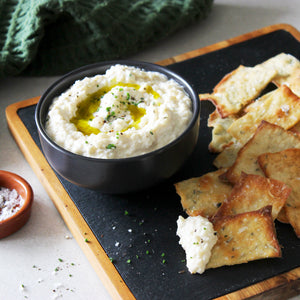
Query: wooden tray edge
{"points": [[64, 204], [99, 260], [283, 286], [226, 43]]}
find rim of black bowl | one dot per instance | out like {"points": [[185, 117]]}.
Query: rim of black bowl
{"points": [[86, 71]]}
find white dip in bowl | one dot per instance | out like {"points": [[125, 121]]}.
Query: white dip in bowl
{"points": [[125, 112]]}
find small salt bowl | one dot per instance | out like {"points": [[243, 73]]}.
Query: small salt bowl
{"points": [[17, 186]]}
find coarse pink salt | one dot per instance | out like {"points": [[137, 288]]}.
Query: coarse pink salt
{"points": [[10, 203]]}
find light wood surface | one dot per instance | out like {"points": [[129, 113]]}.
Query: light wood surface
{"points": [[279, 287], [64, 204]]}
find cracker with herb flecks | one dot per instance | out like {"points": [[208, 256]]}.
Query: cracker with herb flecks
{"points": [[253, 192], [292, 208], [293, 81], [239, 88], [244, 237], [282, 216], [286, 65], [280, 107], [285, 166], [282, 165], [267, 138], [296, 128], [220, 137], [203, 195], [227, 157]]}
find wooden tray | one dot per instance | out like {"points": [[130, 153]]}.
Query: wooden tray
{"points": [[101, 219]]}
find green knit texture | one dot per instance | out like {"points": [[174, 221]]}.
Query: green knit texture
{"points": [[51, 37]]}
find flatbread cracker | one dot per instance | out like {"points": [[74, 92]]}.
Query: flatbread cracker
{"points": [[253, 192], [293, 81], [255, 105], [244, 237], [213, 119], [244, 84], [296, 128], [280, 107], [267, 138], [282, 165], [292, 208], [285, 166], [239, 88], [227, 157], [220, 137], [284, 64], [282, 216], [203, 195]]}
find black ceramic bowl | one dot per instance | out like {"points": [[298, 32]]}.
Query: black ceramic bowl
{"points": [[117, 175]]}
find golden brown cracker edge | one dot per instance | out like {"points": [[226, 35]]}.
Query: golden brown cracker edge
{"points": [[244, 237], [203, 195], [253, 192]]}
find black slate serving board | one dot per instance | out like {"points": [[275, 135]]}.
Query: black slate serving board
{"points": [[138, 231]]}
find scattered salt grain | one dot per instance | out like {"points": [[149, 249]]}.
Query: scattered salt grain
{"points": [[58, 285], [285, 108], [10, 202]]}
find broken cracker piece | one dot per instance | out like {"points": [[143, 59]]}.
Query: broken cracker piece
{"points": [[282, 165], [203, 195], [280, 107], [282, 216], [285, 65], [244, 237], [285, 166], [293, 81], [227, 157], [239, 88], [220, 137], [267, 138], [292, 208], [253, 192], [296, 128]]}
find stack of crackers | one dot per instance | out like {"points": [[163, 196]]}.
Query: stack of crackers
{"points": [[257, 181]]}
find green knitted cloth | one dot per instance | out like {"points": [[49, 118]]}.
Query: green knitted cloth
{"points": [[50, 37]]}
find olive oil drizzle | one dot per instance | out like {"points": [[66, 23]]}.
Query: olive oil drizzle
{"points": [[86, 109]]}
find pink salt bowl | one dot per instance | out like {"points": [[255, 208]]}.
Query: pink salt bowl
{"points": [[14, 222]]}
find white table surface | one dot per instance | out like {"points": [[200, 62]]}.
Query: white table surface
{"points": [[30, 256]]}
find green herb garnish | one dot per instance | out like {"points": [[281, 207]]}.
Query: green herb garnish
{"points": [[111, 146]]}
